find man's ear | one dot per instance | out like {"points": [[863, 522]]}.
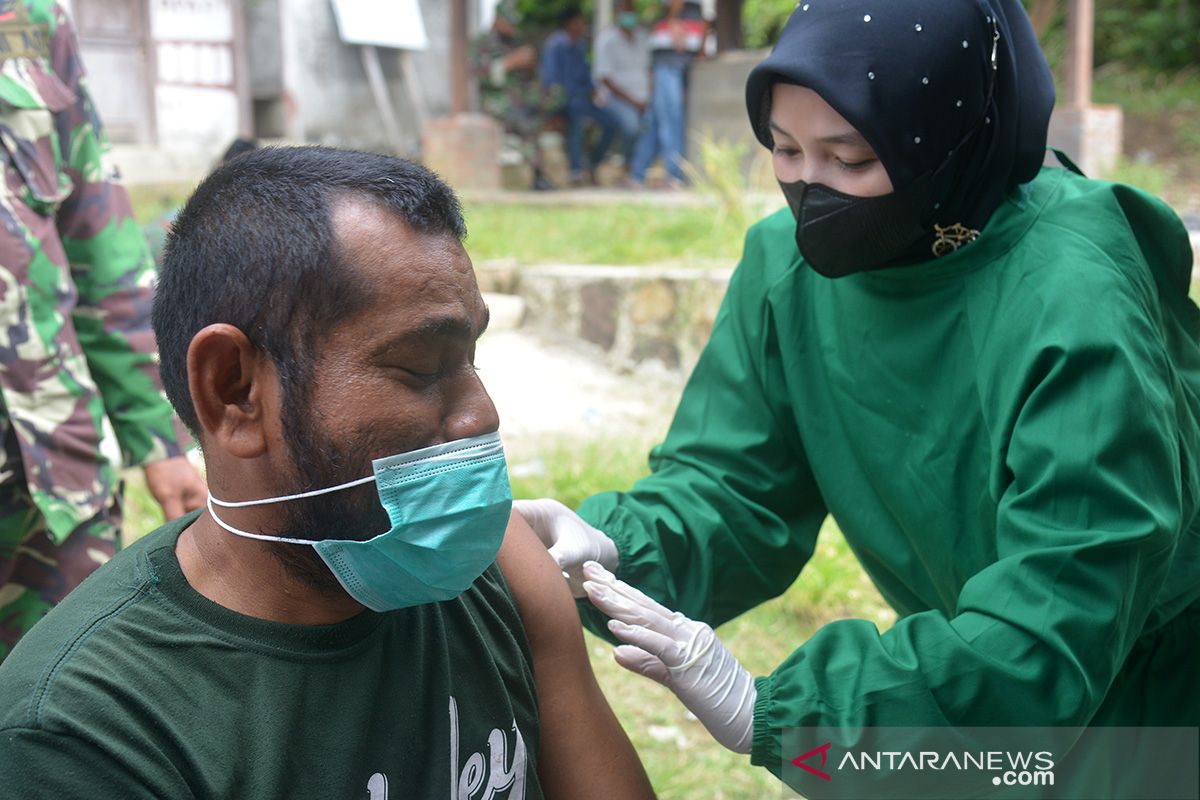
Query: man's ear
{"points": [[234, 389]]}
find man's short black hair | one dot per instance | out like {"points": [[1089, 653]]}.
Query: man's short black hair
{"points": [[254, 247], [567, 14], [238, 146]]}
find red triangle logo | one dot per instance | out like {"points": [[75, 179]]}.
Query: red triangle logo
{"points": [[823, 750]]}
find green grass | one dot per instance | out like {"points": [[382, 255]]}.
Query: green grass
{"points": [[1141, 93], [152, 199], [1152, 178], [682, 759], [571, 470], [1162, 119], [631, 233], [626, 233], [142, 514]]}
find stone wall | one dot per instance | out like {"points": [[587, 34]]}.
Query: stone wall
{"points": [[1091, 137], [633, 314]]}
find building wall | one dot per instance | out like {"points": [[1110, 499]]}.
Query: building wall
{"points": [[196, 93], [166, 80], [325, 97], [207, 69]]}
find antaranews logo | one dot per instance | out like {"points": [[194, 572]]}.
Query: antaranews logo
{"points": [[823, 751], [1050, 763], [999, 767]]}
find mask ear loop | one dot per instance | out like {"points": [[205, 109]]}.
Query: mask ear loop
{"points": [[247, 534], [268, 501], [287, 497]]}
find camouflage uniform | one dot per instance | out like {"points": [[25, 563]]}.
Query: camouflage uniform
{"points": [[79, 386], [514, 97]]}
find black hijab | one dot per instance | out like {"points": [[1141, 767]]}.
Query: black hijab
{"points": [[915, 78]]}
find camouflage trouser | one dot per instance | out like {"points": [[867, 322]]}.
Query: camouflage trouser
{"points": [[35, 573], [524, 118], [524, 127]]}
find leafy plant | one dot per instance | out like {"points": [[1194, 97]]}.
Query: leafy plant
{"points": [[1159, 35], [735, 176], [720, 173]]}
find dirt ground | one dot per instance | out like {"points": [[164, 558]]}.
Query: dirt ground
{"points": [[1159, 138], [550, 390]]}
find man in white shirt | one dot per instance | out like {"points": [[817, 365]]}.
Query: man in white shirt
{"points": [[622, 74]]}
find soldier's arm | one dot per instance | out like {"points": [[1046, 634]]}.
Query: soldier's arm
{"points": [[584, 752], [112, 271]]}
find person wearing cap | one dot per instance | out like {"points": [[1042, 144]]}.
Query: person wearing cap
{"points": [[985, 369]]}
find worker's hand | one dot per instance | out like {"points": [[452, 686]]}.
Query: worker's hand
{"points": [[681, 654], [571, 541], [176, 485]]}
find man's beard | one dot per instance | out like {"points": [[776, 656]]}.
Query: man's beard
{"points": [[353, 513]]}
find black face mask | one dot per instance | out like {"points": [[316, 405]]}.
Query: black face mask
{"points": [[840, 234]]}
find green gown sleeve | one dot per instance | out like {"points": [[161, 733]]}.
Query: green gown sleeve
{"points": [[730, 513], [1085, 531]]}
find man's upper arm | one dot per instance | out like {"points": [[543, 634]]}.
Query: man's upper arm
{"points": [[584, 751]]}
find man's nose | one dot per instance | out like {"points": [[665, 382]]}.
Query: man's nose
{"points": [[471, 411]]}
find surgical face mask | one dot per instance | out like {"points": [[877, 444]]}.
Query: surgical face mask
{"points": [[840, 234], [628, 20], [449, 506]]}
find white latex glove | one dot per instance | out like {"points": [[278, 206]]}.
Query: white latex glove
{"points": [[681, 654], [570, 540]]}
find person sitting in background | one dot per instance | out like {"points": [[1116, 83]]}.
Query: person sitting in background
{"points": [[355, 619], [564, 64], [622, 74], [505, 69]]}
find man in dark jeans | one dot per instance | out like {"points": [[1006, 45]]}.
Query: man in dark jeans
{"points": [[564, 64]]}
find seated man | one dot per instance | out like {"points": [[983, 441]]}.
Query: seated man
{"points": [[564, 65], [340, 626]]}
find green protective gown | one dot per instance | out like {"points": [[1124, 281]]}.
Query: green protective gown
{"points": [[1008, 437]]}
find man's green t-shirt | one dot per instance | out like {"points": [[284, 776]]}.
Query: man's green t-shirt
{"points": [[138, 686]]}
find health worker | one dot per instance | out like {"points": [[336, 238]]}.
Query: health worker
{"points": [[985, 369]]}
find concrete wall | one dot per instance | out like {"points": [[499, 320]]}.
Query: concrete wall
{"points": [[717, 111], [327, 97], [1092, 137], [165, 73], [263, 41], [196, 95], [717, 96]]}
